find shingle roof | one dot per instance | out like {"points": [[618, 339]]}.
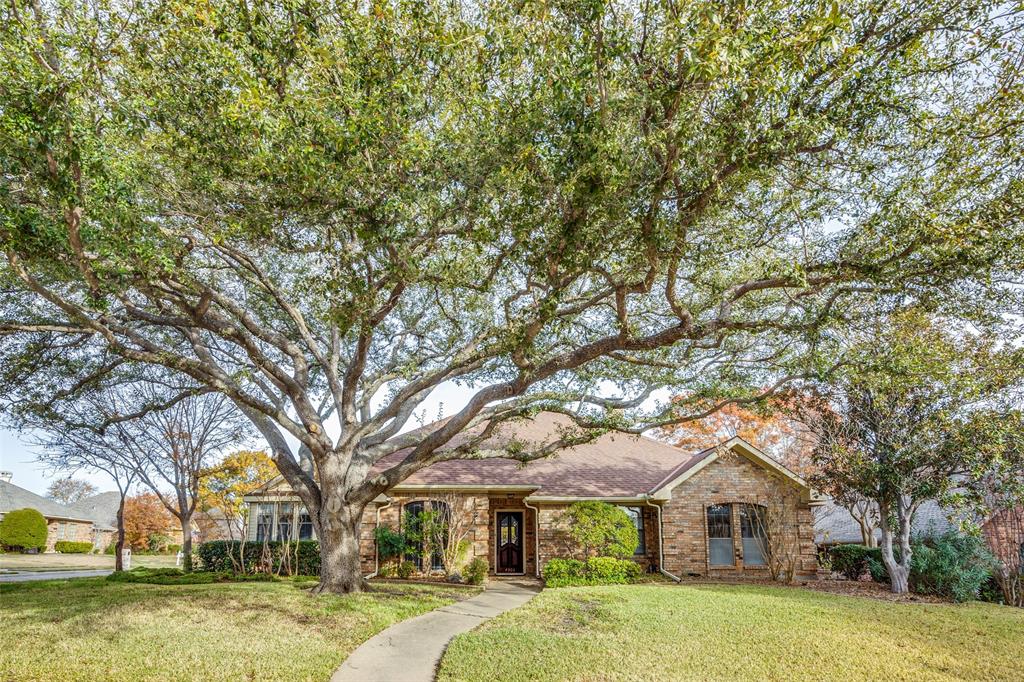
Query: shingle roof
{"points": [[101, 508], [15, 497], [613, 465], [833, 524]]}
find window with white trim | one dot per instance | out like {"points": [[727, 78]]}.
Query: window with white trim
{"points": [[264, 522]]}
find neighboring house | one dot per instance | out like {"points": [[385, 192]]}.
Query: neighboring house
{"points": [[694, 512], [102, 509], [214, 524], [834, 525], [63, 522]]}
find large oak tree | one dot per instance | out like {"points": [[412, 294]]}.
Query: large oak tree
{"points": [[327, 210]]}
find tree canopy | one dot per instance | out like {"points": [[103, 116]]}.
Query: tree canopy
{"points": [[327, 210]]}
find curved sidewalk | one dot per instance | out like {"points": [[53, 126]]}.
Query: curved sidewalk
{"points": [[410, 651]]}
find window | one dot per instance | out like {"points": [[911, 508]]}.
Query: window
{"points": [[411, 516], [264, 521], [637, 515], [284, 522], [62, 531], [305, 525], [443, 515], [753, 528], [720, 535]]}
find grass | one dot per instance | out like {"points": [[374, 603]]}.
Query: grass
{"points": [[81, 562], [95, 629], [723, 632]]}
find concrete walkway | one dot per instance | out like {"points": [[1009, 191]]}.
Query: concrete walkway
{"points": [[27, 576], [410, 651]]}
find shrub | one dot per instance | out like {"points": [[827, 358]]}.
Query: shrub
{"points": [[173, 549], [951, 565], [216, 555], [67, 547], [602, 529], [157, 542], [390, 544], [476, 571], [850, 560], [406, 569], [112, 547], [24, 529], [594, 571], [560, 571]]}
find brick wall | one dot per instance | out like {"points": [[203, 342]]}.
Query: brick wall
{"points": [[733, 480], [474, 508], [70, 531], [554, 535]]}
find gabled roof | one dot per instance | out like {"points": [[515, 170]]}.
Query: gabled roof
{"points": [[614, 465], [15, 497], [101, 508], [743, 448]]}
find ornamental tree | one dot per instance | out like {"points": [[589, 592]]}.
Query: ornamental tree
{"points": [[223, 485], [325, 211], [906, 423]]}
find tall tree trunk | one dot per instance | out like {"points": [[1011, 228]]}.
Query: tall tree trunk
{"points": [[899, 571], [119, 544], [186, 542], [340, 568]]}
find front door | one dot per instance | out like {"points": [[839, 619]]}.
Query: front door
{"points": [[510, 542]]}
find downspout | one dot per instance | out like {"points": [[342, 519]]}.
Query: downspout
{"points": [[536, 536], [661, 542], [376, 549]]}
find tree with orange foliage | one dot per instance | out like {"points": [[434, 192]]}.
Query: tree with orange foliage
{"points": [[223, 486], [770, 429], [144, 515]]}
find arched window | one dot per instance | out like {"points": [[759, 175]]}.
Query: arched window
{"points": [[413, 528], [754, 530], [720, 546]]}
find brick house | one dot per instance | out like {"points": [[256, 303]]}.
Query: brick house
{"points": [[63, 522], [698, 514]]}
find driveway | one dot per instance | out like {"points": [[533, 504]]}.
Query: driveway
{"points": [[50, 575], [410, 651]]}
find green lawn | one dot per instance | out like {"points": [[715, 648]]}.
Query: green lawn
{"points": [[91, 629], [71, 562], [713, 632]]}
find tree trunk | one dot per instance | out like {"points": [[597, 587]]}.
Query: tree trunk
{"points": [[899, 571], [340, 568], [119, 544], [186, 543]]}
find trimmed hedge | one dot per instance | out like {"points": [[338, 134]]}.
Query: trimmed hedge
{"points": [[602, 570], [216, 555], [853, 560], [23, 528], [68, 547]]}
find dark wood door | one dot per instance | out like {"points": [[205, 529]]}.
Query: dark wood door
{"points": [[510, 542]]}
